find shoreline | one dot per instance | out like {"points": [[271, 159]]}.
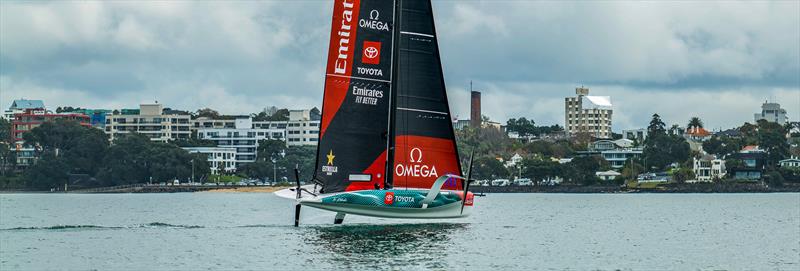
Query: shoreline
{"points": [[567, 189]]}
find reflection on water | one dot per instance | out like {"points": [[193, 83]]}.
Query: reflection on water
{"points": [[385, 246]]}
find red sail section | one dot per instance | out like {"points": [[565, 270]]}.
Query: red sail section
{"points": [[419, 160], [340, 58], [376, 170]]}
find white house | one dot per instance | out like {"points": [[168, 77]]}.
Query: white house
{"points": [[607, 175], [791, 162], [218, 158], [708, 167]]}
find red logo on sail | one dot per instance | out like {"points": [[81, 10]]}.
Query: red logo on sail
{"points": [[372, 53], [388, 199]]}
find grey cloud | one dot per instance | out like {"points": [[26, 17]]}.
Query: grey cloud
{"points": [[526, 56]]}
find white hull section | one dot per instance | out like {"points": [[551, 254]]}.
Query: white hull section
{"points": [[451, 210]]}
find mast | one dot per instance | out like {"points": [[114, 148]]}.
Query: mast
{"points": [[390, 142]]}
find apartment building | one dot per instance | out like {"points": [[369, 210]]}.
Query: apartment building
{"points": [[302, 129], [219, 159], [150, 120], [771, 112], [586, 114], [34, 117], [242, 137]]}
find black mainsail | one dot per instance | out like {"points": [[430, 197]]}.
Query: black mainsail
{"points": [[385, 106]]}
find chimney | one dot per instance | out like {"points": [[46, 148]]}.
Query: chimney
{"points": [[475, 110]]}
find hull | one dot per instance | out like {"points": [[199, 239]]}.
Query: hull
{"points": [[392, 203]]}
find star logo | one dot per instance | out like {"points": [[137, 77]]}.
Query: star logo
{"points": [[330, 158]]}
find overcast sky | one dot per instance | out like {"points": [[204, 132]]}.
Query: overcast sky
{"points": [[715, 60]]}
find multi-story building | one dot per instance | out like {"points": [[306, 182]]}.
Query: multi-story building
{"points": [[771, 112], [242, 137], [32, 118], [616, 152], [707, 168], [22, 105], [150, 120], [639, 135], [217, 123], [219, 159], [589, 115], [97, 116], [302, 129]]}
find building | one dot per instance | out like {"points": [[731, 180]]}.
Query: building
{"points": [[150, 120], [697, 134], [616, 158], [25, 156], [21, 106], [243, 138], [791, 162], [97, 117], [708, 167], [638, 135], [32, 118], [609, 175], [771, 112], [302, 129], [475, 108], [460, 124], [586, 114], [616, 152], [753, 160], [219, 159]]}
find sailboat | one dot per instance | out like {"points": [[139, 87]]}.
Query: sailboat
{"points": [[386, 145]]}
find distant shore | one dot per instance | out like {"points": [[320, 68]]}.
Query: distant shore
{"points": [[663, 188]]}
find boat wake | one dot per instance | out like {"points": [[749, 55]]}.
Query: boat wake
{"points": [[99, 227]]}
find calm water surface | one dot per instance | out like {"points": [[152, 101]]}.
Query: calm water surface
{"points": [[191, 231]]}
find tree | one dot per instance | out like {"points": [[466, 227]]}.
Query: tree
{"points": [[82, 148], [582, 169], [538, 170], [656, 126], [694, 122], [682, 175], [772, 138], [48, 172], [207, 112], [522, 127], [488, 168], [6, 155], [127, 161]]}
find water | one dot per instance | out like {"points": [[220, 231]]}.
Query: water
{"points": [[192, 231]]}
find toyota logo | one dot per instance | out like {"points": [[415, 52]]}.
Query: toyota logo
{"points": [[370, 52]]}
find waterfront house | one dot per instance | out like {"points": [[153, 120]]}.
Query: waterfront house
{"points": [[609, 175], [707, 168], [791, 162], [752, 166]]}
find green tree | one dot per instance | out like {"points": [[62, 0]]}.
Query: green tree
{"points": [[656, 126], [522, 126], [49, 172], [772, 138], [206, 112], [694, 122], [488, 168], [538, 170], [582, 169], [82, 148], [7, 159], [682, 175], [127, 161]]}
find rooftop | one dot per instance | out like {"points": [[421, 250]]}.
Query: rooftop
{"points": [[26, 104]]}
